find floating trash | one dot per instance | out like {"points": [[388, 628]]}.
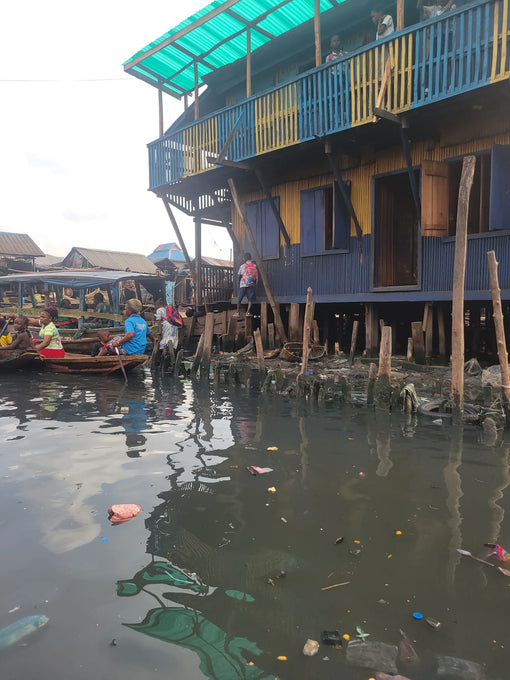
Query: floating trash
{"points": [[123, 512], [331, 637], [311, 647]]}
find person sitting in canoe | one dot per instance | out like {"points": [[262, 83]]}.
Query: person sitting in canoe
{"points": [[50, 344], [21, 338], [137, 330], [105, 344]]}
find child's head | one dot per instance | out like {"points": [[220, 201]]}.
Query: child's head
{"points": [[65, 304], [20, 323], [247, 257], [334, 43], [103, 336]]}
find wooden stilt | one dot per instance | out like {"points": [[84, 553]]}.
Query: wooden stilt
{"points": [[409, 349], [372, 375], [263, 322], [500, 331], [315, 332], [459, 275], [248, 327], [198, 356], [371, 330], [178, 363], [260, 352], [310, 308], [428, 325], [354, 338], [441, 333], [418, 342], [270, 335], [383, 385], [294, 327], [198, 262], [337, 349], [262, 270], [207, 346]]}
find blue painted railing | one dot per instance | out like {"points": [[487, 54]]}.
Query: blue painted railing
{"points": [[429, 62]]}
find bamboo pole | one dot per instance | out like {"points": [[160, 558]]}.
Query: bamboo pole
{"points": [[459, 274], [262, 270], [195, 71], [400, 15], [317, 31], [500, 328], [310, 308]]}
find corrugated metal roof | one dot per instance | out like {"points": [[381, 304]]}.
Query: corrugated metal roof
{"points": [[18, 244], [214, 37], [111, 259], [76, 280], [213, 261]]}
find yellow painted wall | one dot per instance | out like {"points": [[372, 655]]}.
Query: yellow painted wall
{"points": [[361, 181]]}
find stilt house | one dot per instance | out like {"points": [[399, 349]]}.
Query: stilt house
{"points": [[348, 171]]}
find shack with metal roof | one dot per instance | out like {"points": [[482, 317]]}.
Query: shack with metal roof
{"points": [[344, 174], [89, 258], [17, 252]]}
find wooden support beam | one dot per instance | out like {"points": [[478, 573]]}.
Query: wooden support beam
{"points": [[198, 262], [340, 186], [260, 352], [160, 109], [400, 15], [177, 231], [198, 356], [270, 335], [195, 71], [248, 327], [384, 85], [248, 62], [459, 275], [274, 209], [387, 115], [263, 322], [295, 334], [354, 338], [315, 332], [500, 330], [310, 308], [228, 142], [207, 346], [258, 260], [372, 375], [238, 165], [371, 330], [317, 31], [441, 333], [418, 342], [410, 170], [428, 326]]}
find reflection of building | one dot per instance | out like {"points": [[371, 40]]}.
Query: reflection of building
{"points": [[348, 172]]}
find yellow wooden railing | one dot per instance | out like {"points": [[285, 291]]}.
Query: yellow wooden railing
{"points": [[276, 119], [500, 71], [199, 142]]}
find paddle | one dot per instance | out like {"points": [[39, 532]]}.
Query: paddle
{"points": [[468, 554], [121, 364]]}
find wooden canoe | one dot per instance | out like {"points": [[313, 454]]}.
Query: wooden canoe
{"points": [[293, 351], [11, 359], [82, 346], [82, 363]]}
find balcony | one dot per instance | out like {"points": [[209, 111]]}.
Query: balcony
{"points": [[418, 66]]}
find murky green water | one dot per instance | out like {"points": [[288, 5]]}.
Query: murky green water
{"points": [[183, 588]]}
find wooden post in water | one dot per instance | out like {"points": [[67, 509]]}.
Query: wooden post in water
{"points": [[198, 356], [310, 308], [263, 322], [270, 335], [294, 334], [260, 352], [315, 332], [428, 320], [418, 344], [372, 375], [459, 274], [207, 346], [354, 338], [262, 270], [500, 331], [441, 332], [383, 385]]}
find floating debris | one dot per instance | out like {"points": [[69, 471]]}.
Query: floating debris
{"points": [[311, 647], [361, 633], [336, 585], [433, 623], [123, 512], [20, 629], [339, 540], [331, 637]]}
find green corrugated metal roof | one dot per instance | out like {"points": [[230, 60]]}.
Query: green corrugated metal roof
{"points": [[214, 37]]}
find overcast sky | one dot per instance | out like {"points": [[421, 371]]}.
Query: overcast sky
{"points": [[73, 157]]}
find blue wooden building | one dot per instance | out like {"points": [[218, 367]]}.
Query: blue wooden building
{"points": [[348, 171]]}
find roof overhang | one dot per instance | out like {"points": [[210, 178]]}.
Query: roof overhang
{"points": [[76, 280], [216, 36]]}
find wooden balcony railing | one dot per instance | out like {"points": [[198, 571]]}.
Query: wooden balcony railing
{"points": [[429, 62]]}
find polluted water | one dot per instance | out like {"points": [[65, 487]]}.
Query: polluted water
{"points": [[351, 524]]}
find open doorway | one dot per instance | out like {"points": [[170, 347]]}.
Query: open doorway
{"points": [[396, 227]]}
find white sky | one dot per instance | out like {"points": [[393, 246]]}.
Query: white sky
{"points": [[73, 157]]}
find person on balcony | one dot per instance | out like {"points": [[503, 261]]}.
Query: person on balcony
{"points": [[384, 23], [335, 50], [430, 11]]}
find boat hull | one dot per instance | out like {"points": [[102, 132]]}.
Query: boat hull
{"points": [[13, 359], [81, 363]]}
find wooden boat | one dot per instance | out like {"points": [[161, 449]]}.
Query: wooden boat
{"points": [[293, 351], [82, 363], [82, 346], [11, 359]]}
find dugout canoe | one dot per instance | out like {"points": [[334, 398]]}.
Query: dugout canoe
{"points": [[81, 363], [12, 359]]}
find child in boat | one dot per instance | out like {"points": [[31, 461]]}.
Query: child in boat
{"points": [[22, 338], [108, 348], [104, 339], [50, 344]]}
